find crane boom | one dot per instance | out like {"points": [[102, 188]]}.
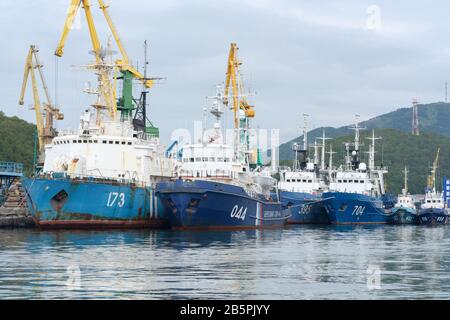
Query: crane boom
{"points": [[46, 131], [432, 176], [29, 71], [124, 64], [233, 80]]}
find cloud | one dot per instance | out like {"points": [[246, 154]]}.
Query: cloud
{"points": [[317, 57]]}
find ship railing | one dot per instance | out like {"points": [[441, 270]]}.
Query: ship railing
{"points": [[11, 168], [91, 178]]}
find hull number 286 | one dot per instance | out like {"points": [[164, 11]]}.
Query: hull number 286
{"points": [[116, 199], [238, 212]]}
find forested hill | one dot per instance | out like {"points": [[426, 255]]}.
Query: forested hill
{"points": [[434, 118], [16, 140], [398, 149]]}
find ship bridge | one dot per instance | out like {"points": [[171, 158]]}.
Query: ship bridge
{"points": [[9, 171]]}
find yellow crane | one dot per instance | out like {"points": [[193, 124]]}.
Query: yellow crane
{"points": [[432, 176], [234, 80], [46, 132], [124, 64]]}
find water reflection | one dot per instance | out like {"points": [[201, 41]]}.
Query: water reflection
{"points": [[305, 262]]}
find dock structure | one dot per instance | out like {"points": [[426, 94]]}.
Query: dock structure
{"points": [[13, 207], [9, 172]]}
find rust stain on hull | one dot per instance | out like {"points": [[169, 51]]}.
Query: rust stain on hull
{"points": [[101, 224]]}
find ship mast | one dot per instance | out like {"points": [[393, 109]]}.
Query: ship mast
{"points": [[323, 146], [372, 150], [305, 131]]}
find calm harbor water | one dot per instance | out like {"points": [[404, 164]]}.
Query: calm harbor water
{"points": [[305, 262]]}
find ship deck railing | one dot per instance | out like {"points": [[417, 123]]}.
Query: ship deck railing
{"points": [[90, 178], [11, 169]]}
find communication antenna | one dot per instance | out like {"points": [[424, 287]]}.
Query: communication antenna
{"points": [[415, 118]]}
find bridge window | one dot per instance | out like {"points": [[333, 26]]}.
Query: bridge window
{"points": [[104, 141], [129, 143], [310, 181], [339, 181]]}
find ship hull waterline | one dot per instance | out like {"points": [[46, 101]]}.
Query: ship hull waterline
{"points": [[78, 204], [354, 209], [204, 205], [304, 208]]}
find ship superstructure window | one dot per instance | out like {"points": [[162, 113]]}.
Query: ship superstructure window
{"points": [[339, 181], [123, 142], [288, 180], [129, 143], [310, 181], [212, 159], [111, 142], [79, 141], [219, 159], [191, 159], [74, 141], [117, 142]]}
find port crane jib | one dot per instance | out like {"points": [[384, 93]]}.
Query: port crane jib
{"points": [[46, 131]]}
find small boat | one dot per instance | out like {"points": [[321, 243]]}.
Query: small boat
{"points": [[404, 211], [433, 211]]}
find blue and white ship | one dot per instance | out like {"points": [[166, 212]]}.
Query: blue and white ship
{"points": [[103, 174], [433, 210], [216, 188], [356, 192], [301, 189], [404, 210]]}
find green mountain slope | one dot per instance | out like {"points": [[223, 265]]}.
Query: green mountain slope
{"points": [[434, 118], [16, 140], [399, 149]]}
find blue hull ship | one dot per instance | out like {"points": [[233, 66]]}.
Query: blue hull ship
{"points": [[304, 208], [403, 216], [353, 208], [433, 216], [204, 204], [68, 203]]}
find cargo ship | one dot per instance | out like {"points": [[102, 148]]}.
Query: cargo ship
{"points": [[301, 188], [216, 187], [404, 211], [356, 193]]}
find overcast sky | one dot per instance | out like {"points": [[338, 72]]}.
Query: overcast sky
{"points": [[330, 59]]}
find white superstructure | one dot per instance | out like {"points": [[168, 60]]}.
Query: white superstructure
{"points": [[214, 159], [110, 150], [306, 177], [405, 200], [433, 200], [356, 176]]}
